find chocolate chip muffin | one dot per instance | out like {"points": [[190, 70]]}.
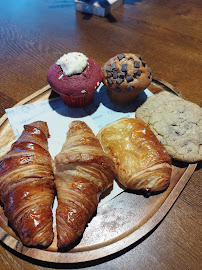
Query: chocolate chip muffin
{"points": [[125, 76]]}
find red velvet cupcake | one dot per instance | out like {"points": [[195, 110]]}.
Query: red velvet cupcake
{"points": [[75, 78]]}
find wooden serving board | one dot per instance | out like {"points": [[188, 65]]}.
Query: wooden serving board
{"points": [[117, 224]]}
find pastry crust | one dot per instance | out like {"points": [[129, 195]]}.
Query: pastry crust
{"points": [[27, 186], [141, 162], [82, 171]]}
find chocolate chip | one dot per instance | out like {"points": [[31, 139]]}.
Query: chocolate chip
{"points": [[189, 149], [144, 63], [139, 56], [129, 87], [147, 193], [113, 65], [124, 68], [136, 64], [117, 89], [119, 80], [109, 74], [115, 74], [137, 72], [108, 68], [122, 75], [109, 81], [121, 56], [150, 73], [129, 78]]}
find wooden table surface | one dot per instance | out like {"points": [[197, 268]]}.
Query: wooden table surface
{"points": [[168, 34]]}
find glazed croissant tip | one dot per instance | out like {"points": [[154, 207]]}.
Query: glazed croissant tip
{"points": [[42, 126]]}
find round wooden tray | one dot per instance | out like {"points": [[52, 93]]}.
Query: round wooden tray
{"points": [[117, 224]]}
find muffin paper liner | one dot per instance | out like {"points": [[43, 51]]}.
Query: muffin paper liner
{"points": [[77, 101]]}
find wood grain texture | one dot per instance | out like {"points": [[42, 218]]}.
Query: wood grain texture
{"points": [[34, 34]]}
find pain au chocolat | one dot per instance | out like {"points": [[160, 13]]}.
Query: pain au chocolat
{"points": [[141, 162]]}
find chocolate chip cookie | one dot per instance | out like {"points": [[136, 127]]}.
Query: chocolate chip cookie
{"points": [[177, 123]]}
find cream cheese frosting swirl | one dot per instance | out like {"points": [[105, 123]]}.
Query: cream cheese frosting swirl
{"points": [[72, 63]]}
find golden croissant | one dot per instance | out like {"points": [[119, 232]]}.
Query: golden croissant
{"points": [[27, 186], [141, 161], [82, 171]]}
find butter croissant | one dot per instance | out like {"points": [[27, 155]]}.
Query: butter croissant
{"points": [[82, 171], [141, 161], [27, 186]]}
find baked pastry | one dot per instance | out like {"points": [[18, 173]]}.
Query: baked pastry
{"points": [[125, 76], [177, 123], [82, 172], [76, 78], [27, 186], [141, 162]]}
